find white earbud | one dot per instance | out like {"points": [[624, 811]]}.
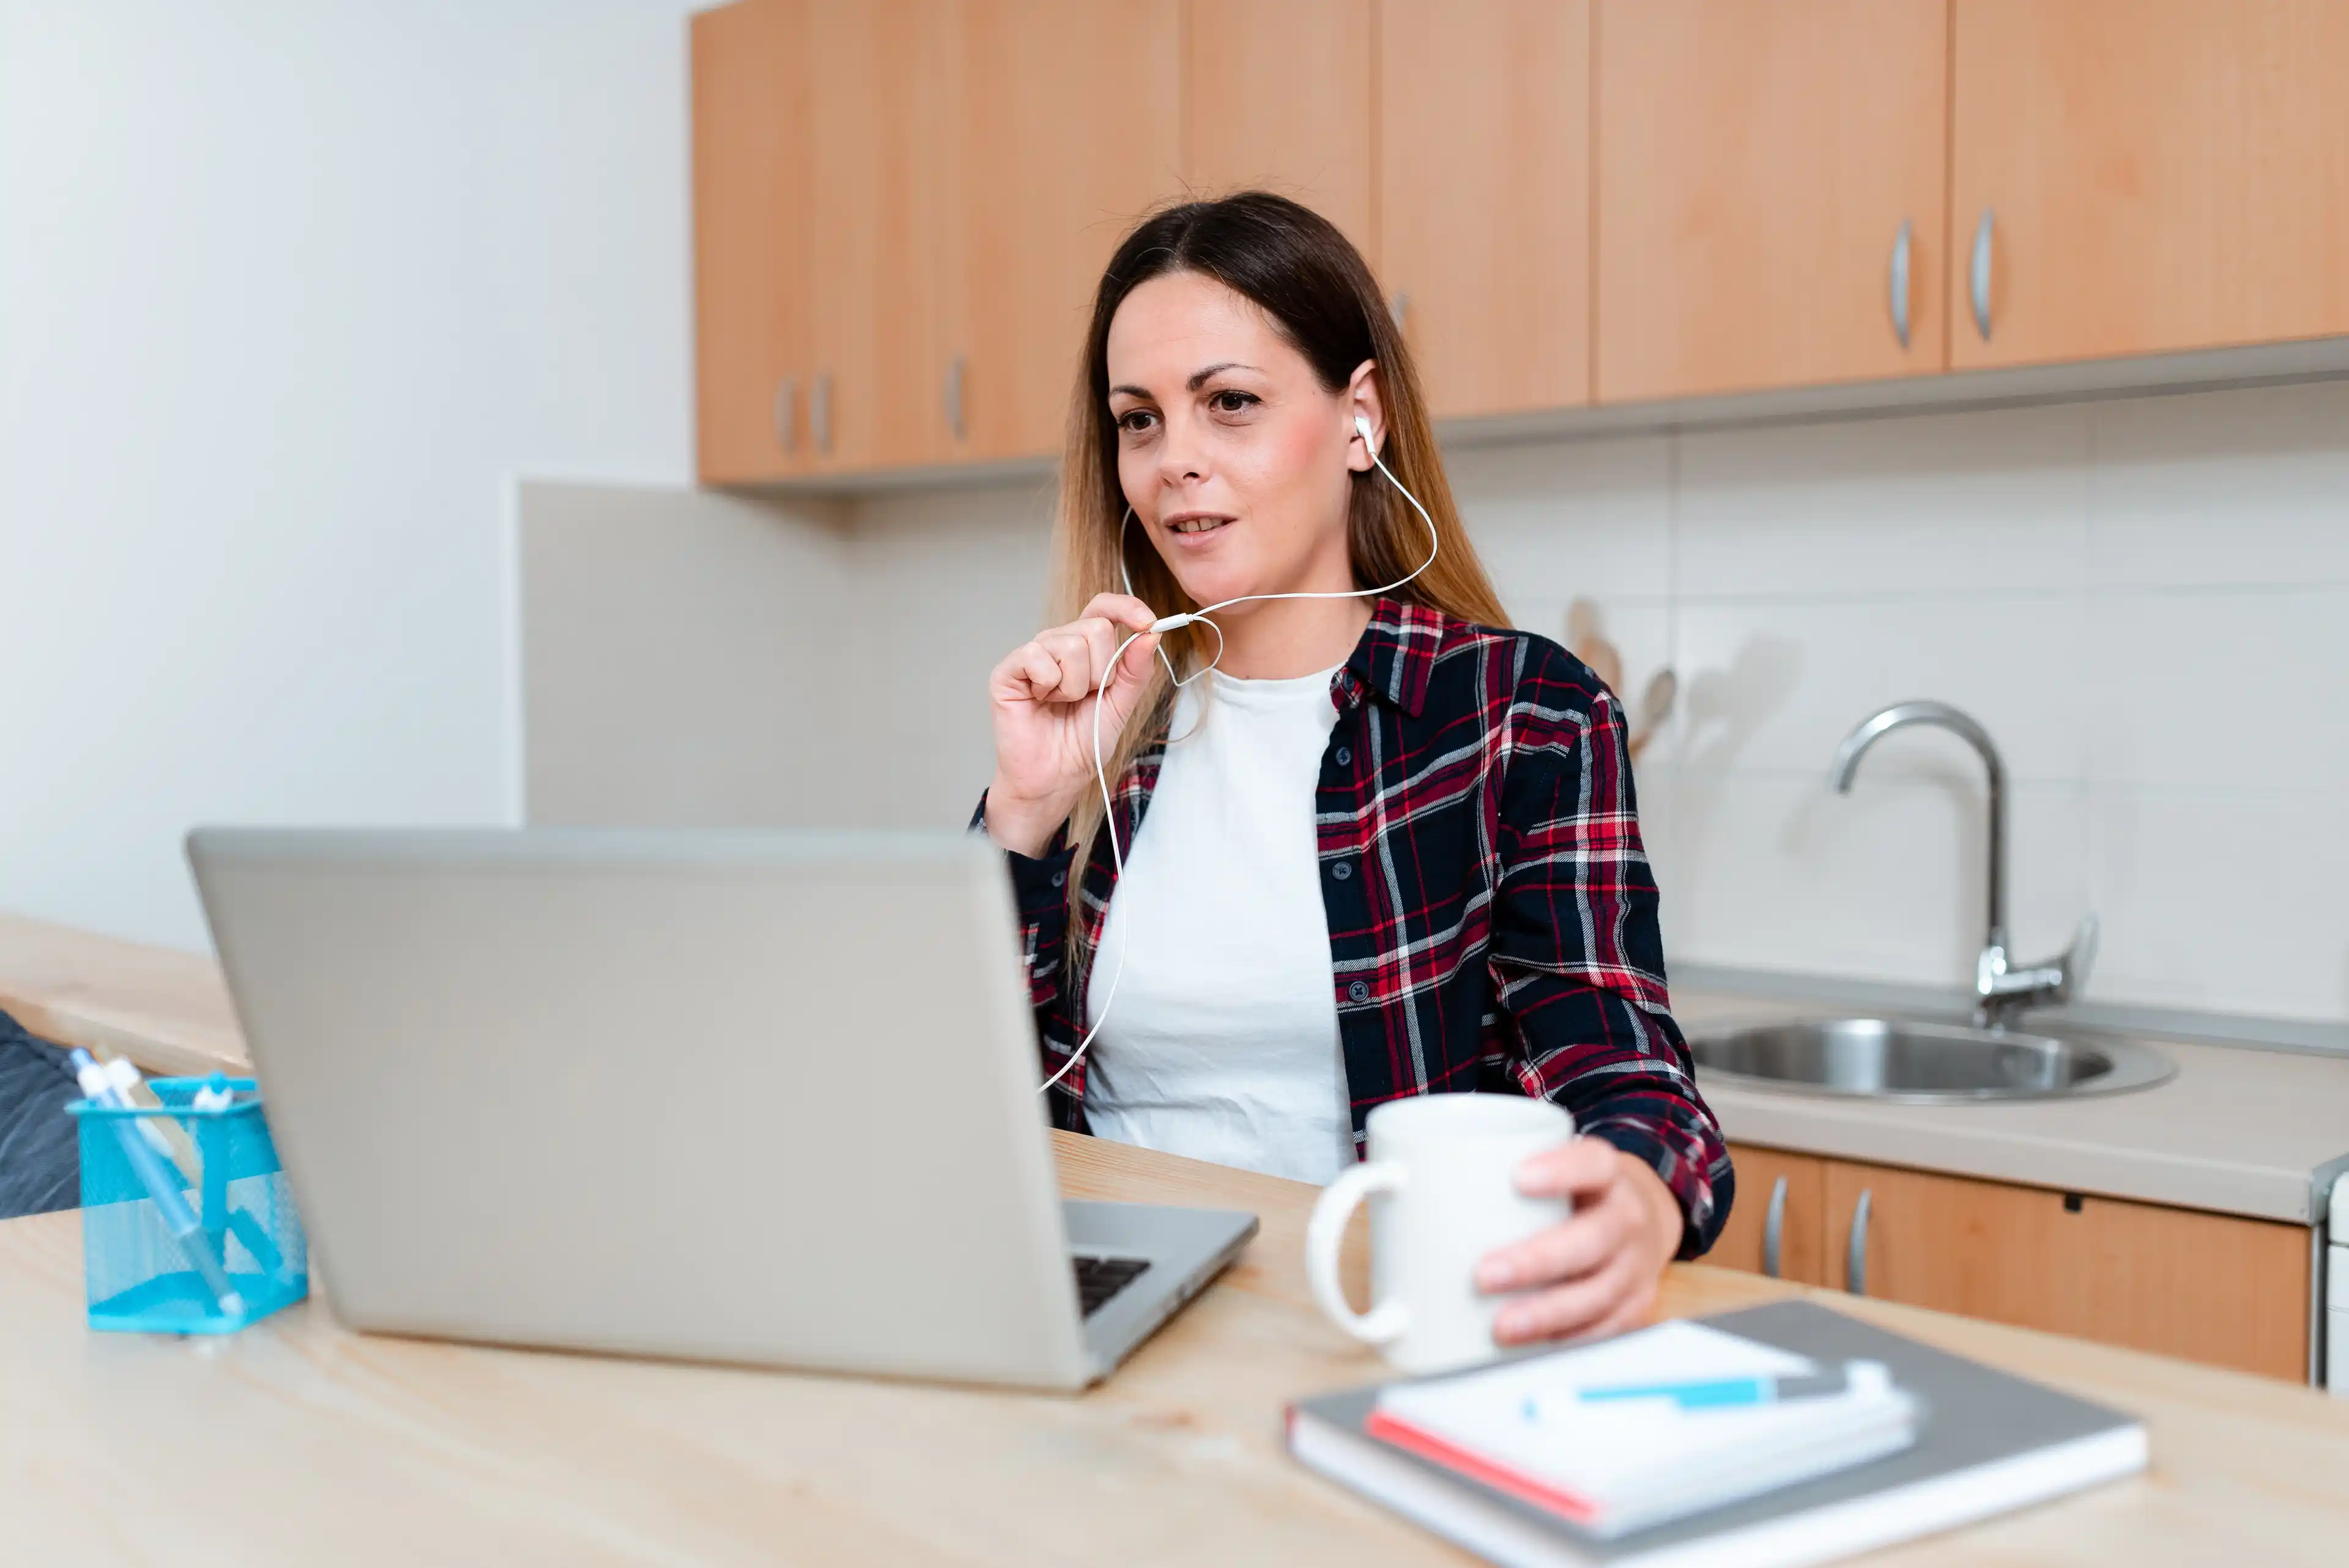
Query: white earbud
{"points": [[1362, 424]]}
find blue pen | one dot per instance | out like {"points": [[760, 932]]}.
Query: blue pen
{"points": [[161, 1183], [1728, 1393]]}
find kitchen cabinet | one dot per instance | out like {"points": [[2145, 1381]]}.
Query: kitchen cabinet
{"points": [[2205, 1287], [1780, 1193], [1068, 116], [1765, 176], [1483, 198], [819, 214], [1278, 97], [750, 150], [2146, 175], [878, 73]]}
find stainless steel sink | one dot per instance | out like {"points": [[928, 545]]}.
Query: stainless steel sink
{"points": [[1893, 1059]]}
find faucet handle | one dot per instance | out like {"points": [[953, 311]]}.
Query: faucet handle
{"points": [[2001, 988]]}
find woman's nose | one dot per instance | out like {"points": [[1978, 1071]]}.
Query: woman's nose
{"points": [[1181, 455]]}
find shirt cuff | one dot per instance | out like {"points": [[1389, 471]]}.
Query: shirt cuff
{"points": [[1038, 882], [1691, 1188]]}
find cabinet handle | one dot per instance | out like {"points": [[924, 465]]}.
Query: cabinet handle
{"points": [[820, 414], [1900, 284], [954, 397], [1773, 1228], [1855, 1261], [1399, 308], [787, 415], [1979, 275]]}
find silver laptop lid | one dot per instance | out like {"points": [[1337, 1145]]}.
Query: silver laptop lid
{"points": [[765, 1096]]}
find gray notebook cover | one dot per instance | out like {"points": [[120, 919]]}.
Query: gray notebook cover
{"points": [[1972, 1414]]}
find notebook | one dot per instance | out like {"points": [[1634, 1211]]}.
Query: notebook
{"points": [[1983, 1442]]}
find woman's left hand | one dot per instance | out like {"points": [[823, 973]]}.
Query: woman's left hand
{"points": [[1597, 1271]]}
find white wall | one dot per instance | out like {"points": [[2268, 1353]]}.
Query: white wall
{"points": [[2146, 600], [288, 291]]}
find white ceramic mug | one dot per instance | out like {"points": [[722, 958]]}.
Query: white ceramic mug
{"points": [[1442, 1175]]}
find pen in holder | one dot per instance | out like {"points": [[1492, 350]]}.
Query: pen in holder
{"points": [[185, 1234]]}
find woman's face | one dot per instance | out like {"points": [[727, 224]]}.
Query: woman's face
{"points": [[1236, 460]]}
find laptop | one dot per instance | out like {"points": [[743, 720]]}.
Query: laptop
{"points": [[745, 1097]]}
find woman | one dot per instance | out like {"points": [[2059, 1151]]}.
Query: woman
{"points": [[1371, 847]]}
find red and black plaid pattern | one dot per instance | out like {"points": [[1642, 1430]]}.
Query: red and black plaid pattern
{"points": [[1492, 913]]}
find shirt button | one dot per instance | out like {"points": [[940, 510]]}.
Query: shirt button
{"points": [[1059, 878], [1358, 991], [1342, 870], [1344, 756]]}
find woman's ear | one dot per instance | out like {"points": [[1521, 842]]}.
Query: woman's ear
{"points": [[1362, 402]]}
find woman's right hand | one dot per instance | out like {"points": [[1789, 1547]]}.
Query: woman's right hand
{"points": [[1042, 698]]}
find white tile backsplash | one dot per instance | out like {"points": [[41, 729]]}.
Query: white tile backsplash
{"points": [[1557, 522], [2210, 488], [1934, 504], [2220, 689], [2228, 900], [1777, 683]]}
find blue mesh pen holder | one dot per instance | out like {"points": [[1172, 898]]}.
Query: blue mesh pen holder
{"points": [[144, 1256]]}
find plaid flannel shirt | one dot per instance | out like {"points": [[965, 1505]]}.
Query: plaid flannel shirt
{"points": [[1492, 914]]}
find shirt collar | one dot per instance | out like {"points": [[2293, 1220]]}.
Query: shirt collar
{"points": [[1396, 656]]}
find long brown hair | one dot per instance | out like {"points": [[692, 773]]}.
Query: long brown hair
{"points": [[1319, 293]]}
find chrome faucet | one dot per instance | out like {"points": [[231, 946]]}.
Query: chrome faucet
{"points": [[2000, 989]]}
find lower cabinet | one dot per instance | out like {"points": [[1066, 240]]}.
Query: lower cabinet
{"points": [[2204, 1287]]}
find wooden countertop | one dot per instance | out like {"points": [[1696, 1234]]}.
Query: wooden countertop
{"points": [[299, 1443]]}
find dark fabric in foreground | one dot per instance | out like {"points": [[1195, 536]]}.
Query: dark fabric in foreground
{"points": [[40, 1162]]}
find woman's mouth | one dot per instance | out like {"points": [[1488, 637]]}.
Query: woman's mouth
{"points": [[1197, 523]]}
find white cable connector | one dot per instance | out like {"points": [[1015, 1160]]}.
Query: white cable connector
{"points": [[1166, 623]]}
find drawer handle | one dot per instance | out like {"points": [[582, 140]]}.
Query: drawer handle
{"points": [[787, 415], [1773, 1228], [1855, 1263], [1979, 275], [820, 414], [954, 398], [1900, 282]]}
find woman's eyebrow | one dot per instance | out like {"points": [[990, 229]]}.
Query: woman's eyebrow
{"points": [[1200, 377]]}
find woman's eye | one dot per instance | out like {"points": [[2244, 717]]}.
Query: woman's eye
{"points": [[1135, 421], [1231, 402]]}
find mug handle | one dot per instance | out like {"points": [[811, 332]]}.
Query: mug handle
{"points": [[1386, 1320]]}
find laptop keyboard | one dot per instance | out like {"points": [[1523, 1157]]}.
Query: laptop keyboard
{"points": [[1097, 1279]]}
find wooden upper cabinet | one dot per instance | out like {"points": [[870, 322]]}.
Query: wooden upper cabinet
{"points": [[1756, 166], [1068, 116], [2207, 1287], [1483, 227], [1278, 97], [2161, 174], [751, 152], [881, 74], [1781, 1194]]}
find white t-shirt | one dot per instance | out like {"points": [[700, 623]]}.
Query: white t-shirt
{"points": [[1222, 1043]]}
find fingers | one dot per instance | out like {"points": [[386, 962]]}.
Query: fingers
{"points": [[1123, 609], [1617, 1297], [1068, 663], [1595, 1235], [1586, 1168]]}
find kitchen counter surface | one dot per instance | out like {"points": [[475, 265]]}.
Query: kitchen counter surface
{"points": [[2237, 1131]]}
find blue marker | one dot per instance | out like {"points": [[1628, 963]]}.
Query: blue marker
{"points": [[161, 1182], [1723, 1393]]}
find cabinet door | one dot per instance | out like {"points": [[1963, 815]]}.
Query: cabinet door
{"points": [[1070, 115], [2207, 1287], [878, 94], [1756, 166], [2161, 174], [1485, 197], [1279, 96], [751, 152], [1792, 1188]]}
